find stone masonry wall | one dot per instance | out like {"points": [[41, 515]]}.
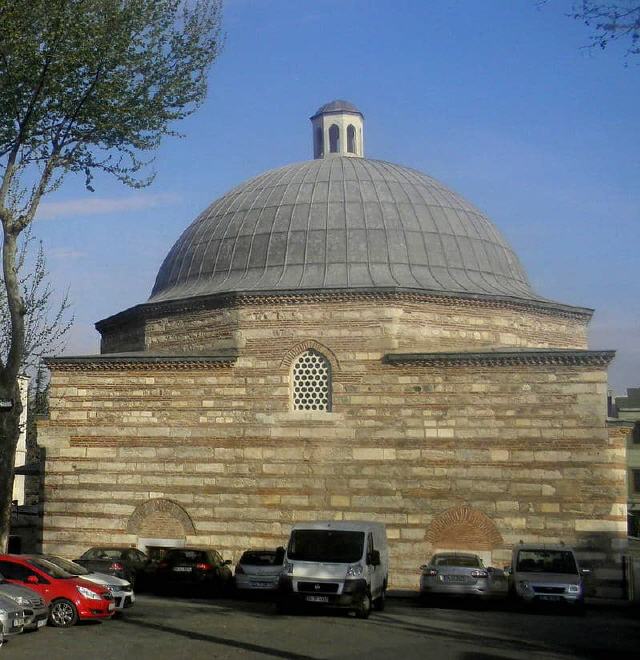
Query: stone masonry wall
{"points": [[391, 323], [502, 453]]}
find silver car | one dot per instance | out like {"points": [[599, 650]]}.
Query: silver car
{"points": [[259, 570], [547, 573], [461, 574], [34, 606], [11, 618], [120, 589]]}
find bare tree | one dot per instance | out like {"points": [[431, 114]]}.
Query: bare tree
{"points": [[86, 86], [47, 321], [611, 21]]}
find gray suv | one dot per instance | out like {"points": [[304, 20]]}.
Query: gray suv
{"points": [[548, 573]]}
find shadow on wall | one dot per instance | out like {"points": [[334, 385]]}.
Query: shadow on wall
{"points": [[603, 554]]}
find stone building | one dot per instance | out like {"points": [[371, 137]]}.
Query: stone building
{"points": [[341, 338]]}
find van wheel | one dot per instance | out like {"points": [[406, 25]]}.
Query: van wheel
{"points": [[63, 613], [365, 607], [378, 603]]}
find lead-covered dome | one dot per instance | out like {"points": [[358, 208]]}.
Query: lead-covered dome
{"points": [[341, 223]]}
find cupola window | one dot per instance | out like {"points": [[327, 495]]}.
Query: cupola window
{"points": [[312, 382], [319, 144], [334, 139], [351, 139]]}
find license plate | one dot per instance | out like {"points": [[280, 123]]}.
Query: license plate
{"points": [[182, 569], [554, 598], [41, 623], [18, 622], [454, 578], [112, 606], [318, 599]]}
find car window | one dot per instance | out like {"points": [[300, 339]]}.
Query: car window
{"points": [[263, 558], [217, 557], [546, 561], [66, 565], [464, 561], [185, 556], [91, 554], [13, 571], [50, 569]]}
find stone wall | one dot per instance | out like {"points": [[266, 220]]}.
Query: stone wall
{"points": [[473, 455], [389, 322]]}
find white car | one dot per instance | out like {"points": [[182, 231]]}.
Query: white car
{"points": [[120, 589], [259, 570]]}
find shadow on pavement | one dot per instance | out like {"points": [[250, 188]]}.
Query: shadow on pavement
{"points": [[222, 641]]}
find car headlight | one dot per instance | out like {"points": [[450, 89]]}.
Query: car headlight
{"points": [[288, 568], [3, 612], [523, 585], [87, 593], [355, 570], [21, 600], [573, 589]]}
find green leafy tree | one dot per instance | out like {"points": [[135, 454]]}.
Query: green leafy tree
{"points": [[86, 86]]}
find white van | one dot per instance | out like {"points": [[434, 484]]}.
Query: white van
{"points": [[341, 564]]}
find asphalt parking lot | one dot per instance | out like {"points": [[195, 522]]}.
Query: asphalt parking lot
{"points": [[160, 628]]}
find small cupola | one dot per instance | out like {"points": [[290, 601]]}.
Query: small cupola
{"points": [[337, 130]]}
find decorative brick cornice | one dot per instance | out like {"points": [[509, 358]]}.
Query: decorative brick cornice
{"points": [[230, 300], [536, 357], [123, 362], [312, 344]]}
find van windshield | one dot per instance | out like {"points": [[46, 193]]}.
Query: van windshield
{"points": [[546, 561], [332, 546]]}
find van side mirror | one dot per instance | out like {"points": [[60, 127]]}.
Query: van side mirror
{"points": [[32, 579], [374, 558], [226, 562]]}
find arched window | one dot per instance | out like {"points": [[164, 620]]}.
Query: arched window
{"points": [[334, 139], [319, 144], [351, 139], [311, 379]]}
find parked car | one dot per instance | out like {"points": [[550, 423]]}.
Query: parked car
{"points": [[71, 598], [547, 573], [124, 562], [259, 569], [11, 618], [461, 574], [202, 569], [340, 564], [34, 606], [120, 589]]}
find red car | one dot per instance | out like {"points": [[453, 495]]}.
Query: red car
{"points": [[71, 598]]}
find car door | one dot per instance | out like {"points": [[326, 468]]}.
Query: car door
{"points": [[20, 574], [374, 572]]}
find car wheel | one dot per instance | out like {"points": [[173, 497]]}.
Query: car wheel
{"points": [[63, 613], [379, 602], [364, 610]]}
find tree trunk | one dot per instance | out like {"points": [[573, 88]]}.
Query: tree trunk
{"points": [[9, 433]]}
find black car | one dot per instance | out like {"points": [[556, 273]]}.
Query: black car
{"points": [[124, 562], [201, 570]]}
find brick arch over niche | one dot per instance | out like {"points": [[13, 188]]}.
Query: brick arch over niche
{"points": [[464, 527], [310, 344], [160, 518]]}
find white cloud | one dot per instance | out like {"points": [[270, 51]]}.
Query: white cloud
{"points": [[102, 205], [64, 253]]}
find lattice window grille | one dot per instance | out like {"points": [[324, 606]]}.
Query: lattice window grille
{"points": [[312, 382]]}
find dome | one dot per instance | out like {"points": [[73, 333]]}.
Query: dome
{"points": [[341, 223], [337, 106]]}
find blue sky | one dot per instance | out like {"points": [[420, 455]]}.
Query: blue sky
{"points": [[498, 99]]}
